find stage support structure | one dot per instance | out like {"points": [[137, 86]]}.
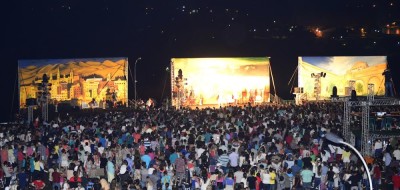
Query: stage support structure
{"points": [[366, 138], [30, 114], [346, 119]]}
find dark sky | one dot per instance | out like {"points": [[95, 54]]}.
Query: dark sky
{"points": [[159, 30]]}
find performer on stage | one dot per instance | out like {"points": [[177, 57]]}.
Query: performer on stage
{"points": [[388, 83]]}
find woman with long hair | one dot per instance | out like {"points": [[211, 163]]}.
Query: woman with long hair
{"points": [[297, 183]]}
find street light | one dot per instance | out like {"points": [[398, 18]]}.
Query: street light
{"points": [[135, 81], [335, 139]]}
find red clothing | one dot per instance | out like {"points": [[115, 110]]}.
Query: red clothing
{"points": [[73, 179], [4, 155], [258, 183], [377, 173], [20, 156], [39, 184], [151, 154], [289, 139], [137, 137], [56, 177], [396, 181]]}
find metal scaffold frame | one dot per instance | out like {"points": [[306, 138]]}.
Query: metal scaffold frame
{"points": [[366, 138], [365, 146], [346, 119]]}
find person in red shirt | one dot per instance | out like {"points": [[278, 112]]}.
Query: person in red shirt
{"points": [[38, 184], [376, 176], [20, 158], [396, 181], [56, 179], [75, 178]]}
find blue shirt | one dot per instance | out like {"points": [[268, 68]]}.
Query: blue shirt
{"points": [[207, 137], [173, 157], [22, 177], [296, 169], [146, 158], [103, 142], [110, 167]]}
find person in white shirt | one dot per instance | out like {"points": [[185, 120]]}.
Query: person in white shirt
{"points": [[378, 147], [265, 179], [234, 159], [396, 154], [199, 152], [87, 148], [238, 176]]}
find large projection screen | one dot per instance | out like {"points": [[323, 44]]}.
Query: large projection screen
{"points": [[220, 81], [340, 70], [75, 81]]}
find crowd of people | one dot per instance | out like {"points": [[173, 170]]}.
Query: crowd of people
{"points": [[263, 147]]}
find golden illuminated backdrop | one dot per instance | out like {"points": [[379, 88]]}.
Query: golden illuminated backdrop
{"points": [[339, 71], [77, 81], [207, 81]]}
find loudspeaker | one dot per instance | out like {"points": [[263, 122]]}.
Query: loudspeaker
{"points": [[31, 102], [353, 95], [334, 92]]}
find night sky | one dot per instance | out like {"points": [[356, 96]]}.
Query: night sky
{"points": [[160, 30]]}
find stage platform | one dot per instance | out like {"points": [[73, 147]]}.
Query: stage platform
{"points": [[217, 106]]}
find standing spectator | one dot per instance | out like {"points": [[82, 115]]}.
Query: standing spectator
{"points": [[180, 166], [296, 168], [354, 180], [346, 157], [56, 179], [376, 176], [123, 175], [146, 158], [288, 179], [378, 147], [396, 153], [22, 179], [266, 180], [238, 176], [306, 177], [224, 160], [154, 179], [330, 178], [110, 170], [233, 160], [144, 174], [396, 181], [272, 179], [387, 158], [229, 182], [6, 166]]}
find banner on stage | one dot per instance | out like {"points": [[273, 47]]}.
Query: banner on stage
{"points": [[320, 74], [220, 81], [89, 81]]}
